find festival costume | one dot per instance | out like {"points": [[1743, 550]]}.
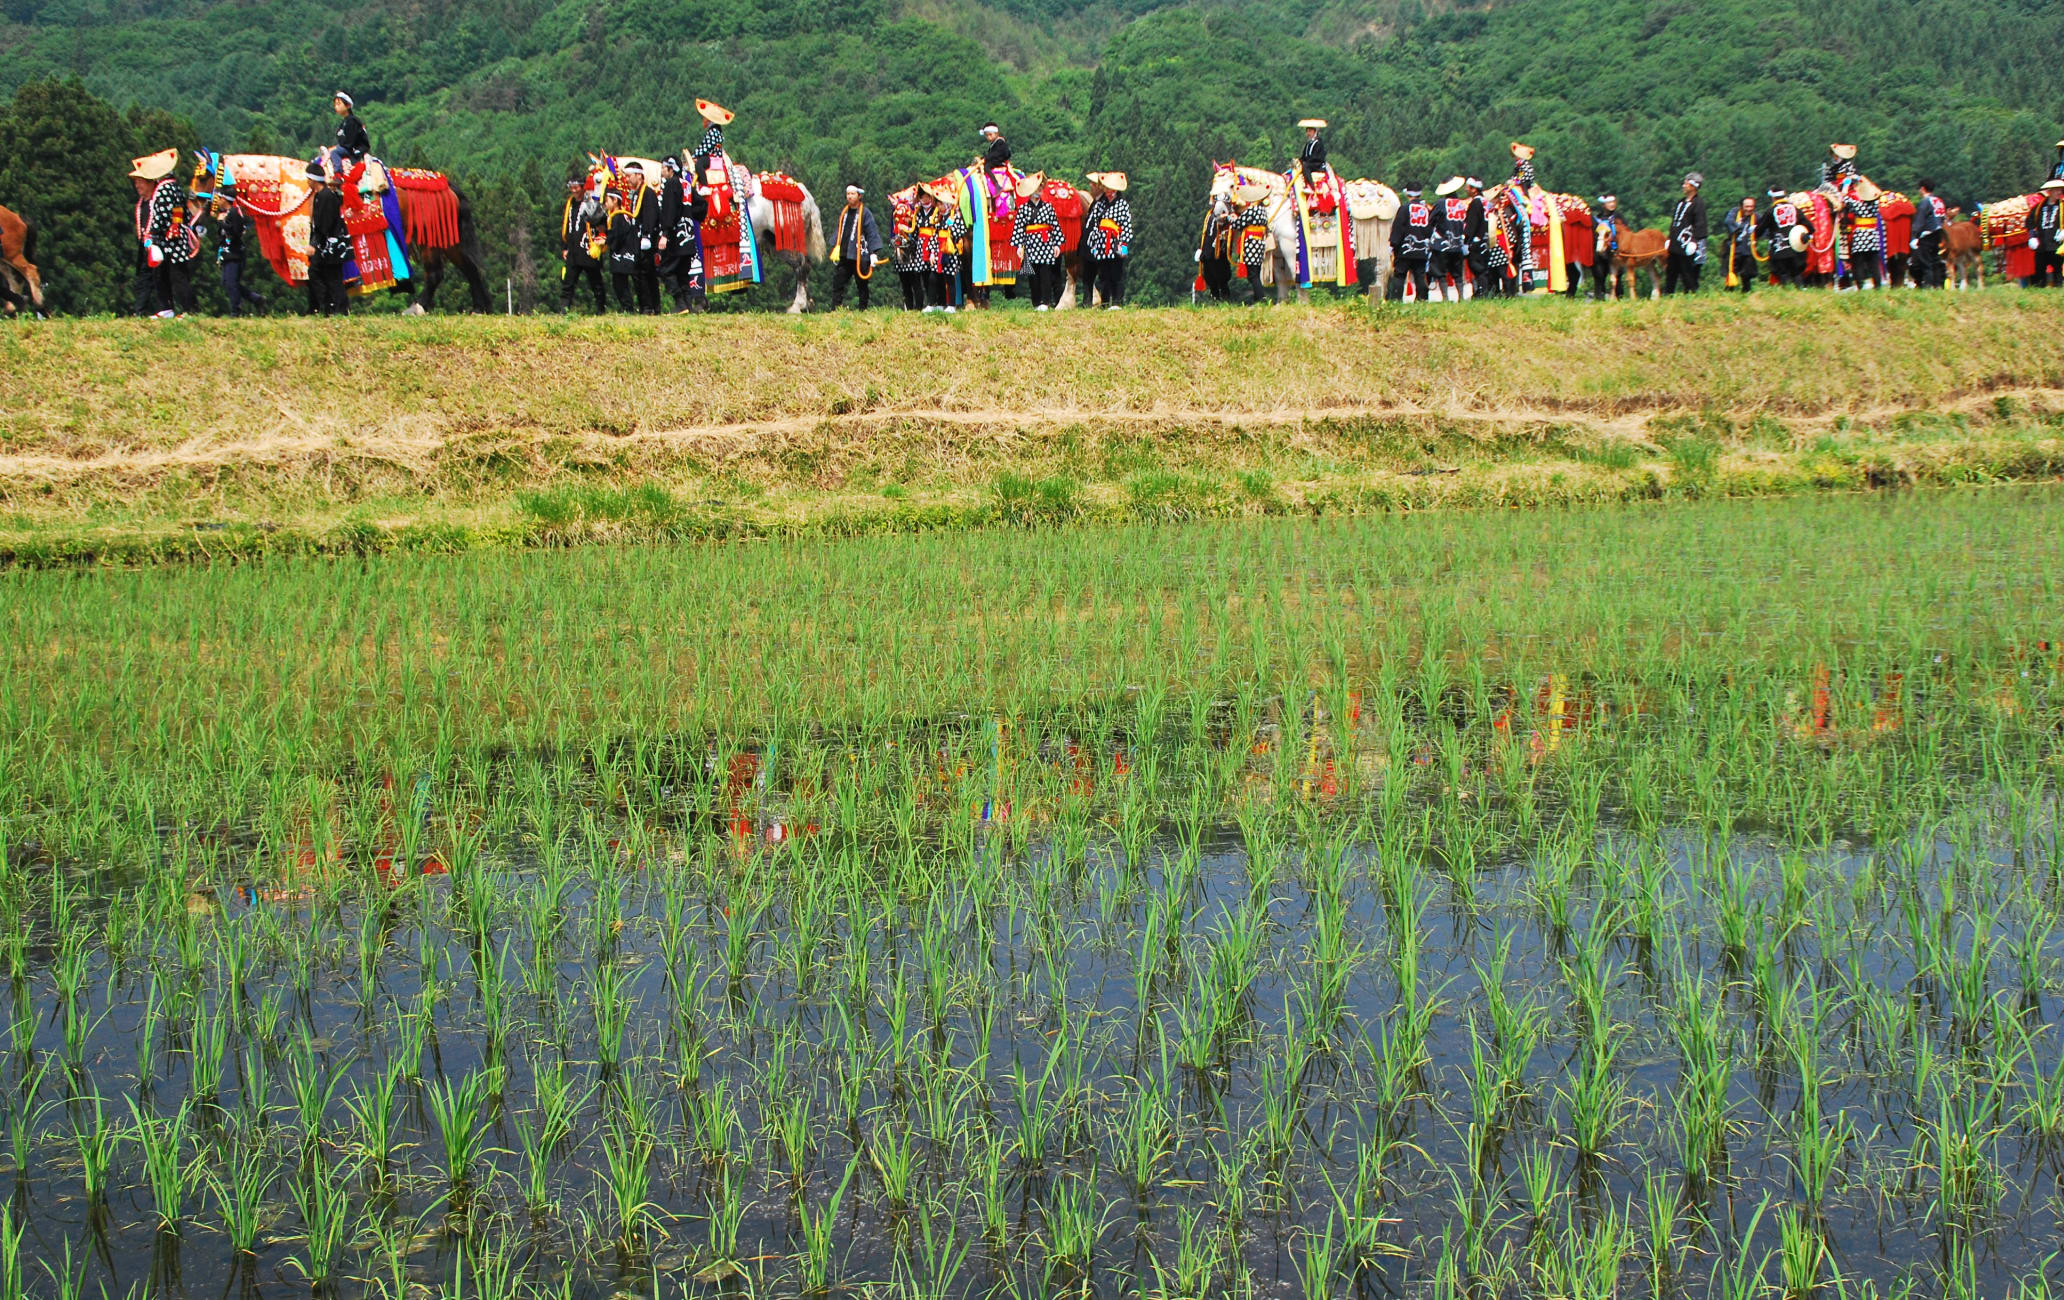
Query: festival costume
{"points": [[1312, 158], [1111, 235], [329, 243], [1415, 244], [1687, 245], [1215, 250], [164, 228], [1451, 221], [996, 159], [1611, 226], [229, 252], [623, 259], [352, 145], [903, 250], [643, 210], [2045, 223], [1775, 224], [684, 277], [852, 254], [1741, 251], [584, 239], [1931, 214], [1036, 232], [1866, 237]]}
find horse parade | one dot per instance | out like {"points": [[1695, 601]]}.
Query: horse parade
{"points": [[642, 234]]}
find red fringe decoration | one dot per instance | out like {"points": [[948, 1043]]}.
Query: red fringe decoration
{"points": [[779, 188], [1068, 206], [790, 235], [429, 209]]}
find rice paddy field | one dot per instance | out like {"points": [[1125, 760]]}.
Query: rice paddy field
{"points": [[1633, 901]]}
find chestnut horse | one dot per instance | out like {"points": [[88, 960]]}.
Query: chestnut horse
{"points": [[1640, 250], [1963, 250], [20, 283]]}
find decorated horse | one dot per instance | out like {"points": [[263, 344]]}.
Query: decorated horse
{"points": [[1314, 229], [1963, 250], [755, 220], [1560, 234], [992, 261], [21, 285], [406, 226], [2004, 226]]}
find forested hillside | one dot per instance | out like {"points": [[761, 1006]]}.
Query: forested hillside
{"points": [[1617, 94]]}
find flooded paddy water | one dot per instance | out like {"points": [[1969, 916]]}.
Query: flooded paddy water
{"points": [[1598, 904]]}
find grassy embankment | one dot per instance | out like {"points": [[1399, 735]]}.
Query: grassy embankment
{"points": [[132, 441]]}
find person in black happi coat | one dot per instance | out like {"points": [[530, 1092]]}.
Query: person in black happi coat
{"points": [[353, 144], [1740, 225], [583, 242], [853, 250], [329, 244], [2045, 227], [642, 207], [1930, 216], [1776, 225], [230, 253], [1687, 238], [1414, 242], [623, 252]]}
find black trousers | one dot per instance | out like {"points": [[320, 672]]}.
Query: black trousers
{"points": [[174, 284], [1218, 277], [234, 289], [1111, 279], [326, 296], [1867, 266], [1683, 271], [1414, 279], [1088, 269], [1450, 268], [1047, 278], [1786, 267], [626, 294], [646, 280], [1926, 263], [571, 285], [1744, 272], [1601, 275], [845, 272], [2049, 268], [939, 288], [913, 288]]}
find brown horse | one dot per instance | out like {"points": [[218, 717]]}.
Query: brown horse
{"points": [[1963, 250], [1640, 250], [21, 285]]}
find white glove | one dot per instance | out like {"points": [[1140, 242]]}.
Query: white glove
{"points": [[2035, 241], [645, 245], [154, 256]]}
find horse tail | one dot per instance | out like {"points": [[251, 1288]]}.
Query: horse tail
{"points": [[813, 220]]}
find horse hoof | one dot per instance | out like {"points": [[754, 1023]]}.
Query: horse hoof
{"points": [[414, 309]]}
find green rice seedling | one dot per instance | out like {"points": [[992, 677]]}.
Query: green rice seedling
{"points": [[13, 1273], [1593, 1102], [242, 1189], [727, 1207], [717, 1124], [612, 1013], [1189, 1276], [207, 1054], [1802, 1256], [1740, 1275], [459, 1111], [162, 1141], [819, 1232], [932, 1269], [314, 1087], [627, 1170], [322, 1197], [1318, 1262], [1072, 1223], [1661, 1240], [374, 1114], [24, 1113], [96, 1142], [1145, 1136]]}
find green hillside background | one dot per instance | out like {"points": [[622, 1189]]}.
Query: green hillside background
{"points": [[1617, 94]]}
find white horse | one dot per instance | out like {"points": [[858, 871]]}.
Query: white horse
{"points": [[1371, 235], [762, 212]]}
